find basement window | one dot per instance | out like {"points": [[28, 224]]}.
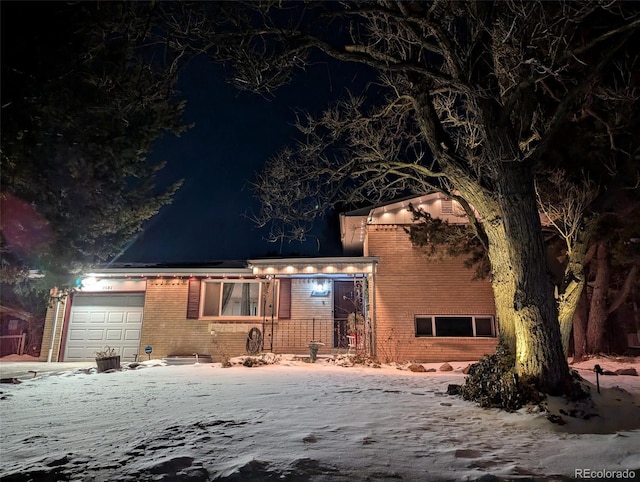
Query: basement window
{"points": [[454, 326]]}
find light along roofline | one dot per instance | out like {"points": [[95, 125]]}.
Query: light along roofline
{"points": [[152, 272], [312, 266]]}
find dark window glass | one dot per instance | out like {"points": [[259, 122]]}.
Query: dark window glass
{"points": [[423, 326], [484, 327], [454, 326]]}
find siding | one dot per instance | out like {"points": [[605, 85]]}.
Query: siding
{"points": [[408, 284], [305, 306]]}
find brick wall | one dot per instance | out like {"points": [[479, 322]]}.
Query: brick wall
{"points": [[166, 328], [48, 331], [408, 284]]}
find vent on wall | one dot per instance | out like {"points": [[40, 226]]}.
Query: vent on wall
{"points": [[446, 206]]}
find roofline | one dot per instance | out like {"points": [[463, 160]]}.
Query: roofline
{"points": [[366, 210], [335, 266], [220, 270], [312, 261], [184, 271]]}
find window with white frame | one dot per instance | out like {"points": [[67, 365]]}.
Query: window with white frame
{"points": [[454, 326], [237, 298]]}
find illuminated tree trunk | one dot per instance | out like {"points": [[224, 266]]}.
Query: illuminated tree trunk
{"points": [[503, 285], [524, 294], [523, 291], [571, 289]]}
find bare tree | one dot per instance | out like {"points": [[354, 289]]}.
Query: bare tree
{"points": [[588, 190], [565, 206], [468, 99]]}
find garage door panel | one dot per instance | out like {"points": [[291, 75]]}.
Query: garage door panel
{"points": [[134, 317], [116, 317], [132, 335], [75, 353], [97, 317], [114, 335], [95, 335], [77, 335], [81, 316], [97, 321], [80, 352], [130, 352]]}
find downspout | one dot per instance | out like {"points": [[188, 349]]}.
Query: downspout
{"points": [[55, 326], [273, 309], [374, 328]]}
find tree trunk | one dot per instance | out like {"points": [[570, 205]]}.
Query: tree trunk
{"points": [[580, 329], [571, 288], [523, 291], [539, 354], [598, 306], [524, 295]]}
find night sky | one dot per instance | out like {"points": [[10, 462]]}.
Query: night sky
{"points": [[234, 133]]}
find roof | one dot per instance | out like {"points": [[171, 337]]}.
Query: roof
{"points": [[353, 223]]}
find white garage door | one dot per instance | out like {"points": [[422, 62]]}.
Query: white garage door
{"points": [[96, 321]]}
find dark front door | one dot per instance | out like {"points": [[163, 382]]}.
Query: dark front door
{"points": [[343, 305]]}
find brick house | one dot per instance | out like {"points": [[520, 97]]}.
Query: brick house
{"points": [[399, 305], [425, 310]]}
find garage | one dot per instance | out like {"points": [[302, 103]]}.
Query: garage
{"points": [[99, 320]]}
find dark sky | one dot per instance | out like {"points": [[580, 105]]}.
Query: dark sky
{"points": [[233, 134]]}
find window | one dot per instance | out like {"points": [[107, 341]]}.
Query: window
{"points": [[484, 326], [424, 326], [454, 326], [236, 298]]}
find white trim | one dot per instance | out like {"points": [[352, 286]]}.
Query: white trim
{"points": [[473, 325], [261, 284], [158, 272]]}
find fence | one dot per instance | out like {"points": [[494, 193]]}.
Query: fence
{"points": [[293, 336], [12, 344]]}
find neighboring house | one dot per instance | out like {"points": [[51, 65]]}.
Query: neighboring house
{"points": [[400, 305], [16, 327]]}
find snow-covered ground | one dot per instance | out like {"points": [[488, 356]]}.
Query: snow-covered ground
{"points": [[299, 421]]}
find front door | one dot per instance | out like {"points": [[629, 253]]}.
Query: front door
{"points": [[344, 304]]}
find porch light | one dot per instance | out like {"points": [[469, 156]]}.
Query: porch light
{"points": [[320, 288], [89, 281]]}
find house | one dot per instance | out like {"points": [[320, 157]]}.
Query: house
{"points": [[15, 331], [425, 310], [397, 304]]}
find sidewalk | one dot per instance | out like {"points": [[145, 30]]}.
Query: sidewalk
{"points": [[23, 370]]}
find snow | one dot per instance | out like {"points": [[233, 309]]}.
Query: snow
{"points": [[293, 420]]}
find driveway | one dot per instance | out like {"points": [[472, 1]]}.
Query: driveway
{"points": [[24, 370]]}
